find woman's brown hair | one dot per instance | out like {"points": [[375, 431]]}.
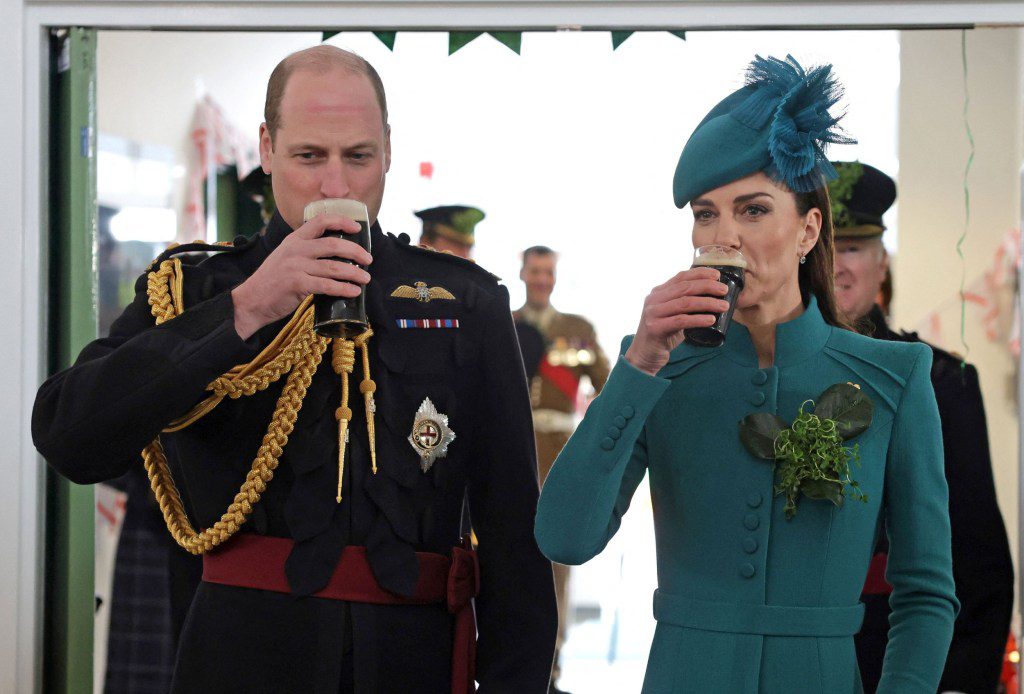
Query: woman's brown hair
{"points": [[817, 274]]}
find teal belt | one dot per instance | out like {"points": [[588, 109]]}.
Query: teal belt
{"points": [[767, 620]]}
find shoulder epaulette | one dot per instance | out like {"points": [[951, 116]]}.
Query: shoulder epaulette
{"points": [[239, 243], [444, 256]]}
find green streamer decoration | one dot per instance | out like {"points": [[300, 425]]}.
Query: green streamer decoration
{"points": [[327, 35], [967, 202], [618, 37], [680, 34], [512, 39], [387, 38], [458, 39]]}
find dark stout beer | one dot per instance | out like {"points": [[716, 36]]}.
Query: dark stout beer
{"points": [[731, 264], [338, 316]]}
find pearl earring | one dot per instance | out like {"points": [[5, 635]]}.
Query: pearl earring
{"points": [[803, 259]]}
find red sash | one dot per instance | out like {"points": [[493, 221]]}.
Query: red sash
{"points": [[561, 377], [256, 561]]}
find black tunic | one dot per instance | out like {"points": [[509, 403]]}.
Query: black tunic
{"points": [[982, 566], [92, 420]]}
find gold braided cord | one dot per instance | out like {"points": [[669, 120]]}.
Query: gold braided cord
{"points": [[295, 339], [296, 350], [343, 360], [267, 457], [368, 387]]}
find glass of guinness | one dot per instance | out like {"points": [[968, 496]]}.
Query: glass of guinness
{"points": [[339, 316], [731, 264]]}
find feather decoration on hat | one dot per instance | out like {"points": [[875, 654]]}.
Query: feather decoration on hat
{"points": [[797, 103]]}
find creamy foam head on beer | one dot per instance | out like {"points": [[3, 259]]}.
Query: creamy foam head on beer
{"points": [[718, 257], [353, 209]]}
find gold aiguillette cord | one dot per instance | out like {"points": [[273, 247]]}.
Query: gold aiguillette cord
{"points": [[343, 359]]}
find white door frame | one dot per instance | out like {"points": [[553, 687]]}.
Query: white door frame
{"points": [[23, 190]]}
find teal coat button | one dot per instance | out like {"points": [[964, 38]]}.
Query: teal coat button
{"points": [[754, 500], [748, 571], [751, 521], [607, 443], [750, 545], [760, 378], [628, 412], [620, 422], [757, 399], [613, 432]]}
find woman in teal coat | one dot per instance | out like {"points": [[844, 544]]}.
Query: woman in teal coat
{"points": [[756, 594]]}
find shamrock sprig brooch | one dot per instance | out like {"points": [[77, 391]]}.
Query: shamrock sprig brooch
{"points": [[809, 454]]}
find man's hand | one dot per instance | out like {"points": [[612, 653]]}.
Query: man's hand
{"points": [[300, 266], [685, 301]]}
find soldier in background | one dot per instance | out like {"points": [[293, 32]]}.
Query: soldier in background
{"points": [[982, 567], [450, 229], [571, 352]]}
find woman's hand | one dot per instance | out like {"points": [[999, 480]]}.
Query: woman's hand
{"points": [[685, 301]]}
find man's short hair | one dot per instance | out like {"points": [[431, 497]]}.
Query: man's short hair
{"points": [[537, 250], [320, 59]]}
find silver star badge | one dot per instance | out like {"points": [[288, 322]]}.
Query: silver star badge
{"points": [[430, 435]]}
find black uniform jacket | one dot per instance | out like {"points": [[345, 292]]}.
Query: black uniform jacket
{"points": [[982, 567], [92, 420]]}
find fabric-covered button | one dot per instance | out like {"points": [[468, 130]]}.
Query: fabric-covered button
{"points": [[750, 545], [748, 571], [751, 521], [754, 500], [627, 411], [619, 421], [757, 399], [614, 432], [607, 443], [760, 378]]}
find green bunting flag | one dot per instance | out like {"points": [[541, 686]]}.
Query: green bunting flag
{"points": [[387, 38], [618, 37], [458, 39], [512, 39]]}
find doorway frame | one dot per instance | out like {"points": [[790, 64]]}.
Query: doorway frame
{"points": [[24, 117]]}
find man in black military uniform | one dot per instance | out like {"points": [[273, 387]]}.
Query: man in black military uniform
{"points": [[982, 567], [345, 576]]}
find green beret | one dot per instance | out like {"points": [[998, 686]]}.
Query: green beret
{"points": [[779, 123], [860, 195], [454, 222]]}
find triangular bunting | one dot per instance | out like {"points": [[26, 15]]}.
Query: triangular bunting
{"points": [[680, 34], [387, 38], [458, 39], [328, 34], [618, 37], [512, 39]]}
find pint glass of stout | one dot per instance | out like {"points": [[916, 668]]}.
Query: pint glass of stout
{"points": [[339, 316], [731, 264]]}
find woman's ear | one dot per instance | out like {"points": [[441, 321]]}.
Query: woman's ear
{"points": [[811, 230]]}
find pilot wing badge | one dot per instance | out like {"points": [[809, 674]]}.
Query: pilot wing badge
{"points": [[430, 435], [422, 292]]}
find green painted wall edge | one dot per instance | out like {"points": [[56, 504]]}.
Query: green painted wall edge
{"points": [[70, 593]]}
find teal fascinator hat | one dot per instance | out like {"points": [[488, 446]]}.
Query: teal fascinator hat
{"points": [[778, 123]]}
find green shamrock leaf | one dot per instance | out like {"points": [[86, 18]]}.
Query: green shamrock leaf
{"points": [[848, 407], [758, 432]]}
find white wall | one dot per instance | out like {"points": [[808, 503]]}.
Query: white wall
{"points": [[933, 153], [20, 512]]}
